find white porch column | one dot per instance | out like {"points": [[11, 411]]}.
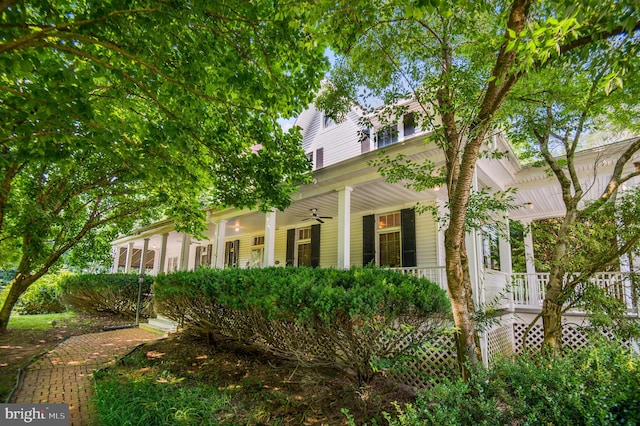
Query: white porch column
{"points": [[269, 239], [528, 248], [344, 228], [162, 262], [143, 256], [222, 229], [129, 261], [504, 246], [115, 250], [184, 252]]}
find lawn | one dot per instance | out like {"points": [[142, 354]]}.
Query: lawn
{"points": [[39, 322]]}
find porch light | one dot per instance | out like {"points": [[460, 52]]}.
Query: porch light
{"points": [[237, 228], [529, 205], [637, 165], [436, 188]]}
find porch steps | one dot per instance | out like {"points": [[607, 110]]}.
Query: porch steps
{"points": [[161, 323]]}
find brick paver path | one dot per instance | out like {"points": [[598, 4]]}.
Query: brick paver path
{"points": [[64, 374]]}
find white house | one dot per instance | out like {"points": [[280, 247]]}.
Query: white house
{"points": [[351, 216]]}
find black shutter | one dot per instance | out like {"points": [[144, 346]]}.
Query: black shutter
{"points": [[408, 220], [209, 253], [236, 253], [198, 256], [315, 245], [319, 158], [368, 239], [291, 242]]}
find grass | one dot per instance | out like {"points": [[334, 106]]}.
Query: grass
{"points": [[157, 399], [37, 322]]}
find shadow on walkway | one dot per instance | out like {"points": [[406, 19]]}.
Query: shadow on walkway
{"points": [[64, 374]]}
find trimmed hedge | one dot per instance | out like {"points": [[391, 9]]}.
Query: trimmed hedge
{"points": [[115, 293], [344, 317]]}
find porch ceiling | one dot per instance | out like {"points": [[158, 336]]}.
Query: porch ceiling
{"points": [[366, 198]]}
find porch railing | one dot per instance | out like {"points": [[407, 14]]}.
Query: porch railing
{"points": [[528, 290], [437, 274]]}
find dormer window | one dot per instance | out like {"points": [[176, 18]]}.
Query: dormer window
{"points": [[387, 136]]}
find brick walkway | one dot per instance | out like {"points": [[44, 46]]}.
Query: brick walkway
{"points": [[64, 374]]}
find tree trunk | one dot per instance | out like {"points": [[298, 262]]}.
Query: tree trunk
{"points": [[18, 286], [462, 306], [552, 307], [552, 312]]}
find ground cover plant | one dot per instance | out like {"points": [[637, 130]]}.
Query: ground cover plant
{"points": [[344, 318]]}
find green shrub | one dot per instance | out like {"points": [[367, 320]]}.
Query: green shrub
{"points": [[42, 297], [594, 386], [115, 293], [347, 317]]}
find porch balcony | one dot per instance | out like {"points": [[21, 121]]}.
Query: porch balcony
{"points": [[521, 292]]}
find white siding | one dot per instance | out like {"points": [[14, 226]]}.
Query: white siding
{"points": [[245, 249], [280, 254], [329, 244], [340, 142], [426, 240]]}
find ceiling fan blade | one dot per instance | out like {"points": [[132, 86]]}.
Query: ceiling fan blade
{"points": [[325, 217], [319, 220], [307, 218]]}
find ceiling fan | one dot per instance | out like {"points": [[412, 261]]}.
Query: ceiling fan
{"points": [[314, 216]]}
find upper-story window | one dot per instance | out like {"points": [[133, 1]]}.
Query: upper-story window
{"points": [[391, 134], [387, 136]]}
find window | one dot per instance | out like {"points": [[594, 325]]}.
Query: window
{"points": [[491, 248], [256, 255], [387, 136], [203, 255], [231, 253], [389, 248], [409, 124], [304, 246], [389, 239]]}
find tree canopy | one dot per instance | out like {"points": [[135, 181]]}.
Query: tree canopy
{"points": [[116, 110]]}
